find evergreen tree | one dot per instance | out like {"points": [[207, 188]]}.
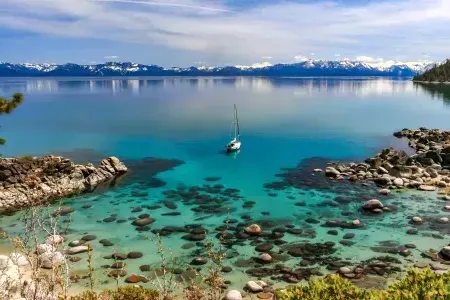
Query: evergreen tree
{"points": [[7, 106], [439, 73]]}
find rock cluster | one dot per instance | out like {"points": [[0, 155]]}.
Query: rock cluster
{"points": [[427, 169], [30, 181]]}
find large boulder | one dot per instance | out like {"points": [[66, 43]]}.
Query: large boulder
{"points": [[77, 249], [435, 156], [253, 229], [401, 171], [445, 253], [382, 181], [372, 204], [233, 295], [398, 182], [49, 260], [253, 287], [427, 188]]}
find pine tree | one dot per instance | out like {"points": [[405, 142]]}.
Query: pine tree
{"points": [[7, 106]]}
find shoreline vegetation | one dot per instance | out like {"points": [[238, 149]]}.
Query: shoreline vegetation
{"points": [[437, 74], [39, 267]]}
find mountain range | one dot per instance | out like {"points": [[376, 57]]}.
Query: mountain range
{"points": [[307, 67]]}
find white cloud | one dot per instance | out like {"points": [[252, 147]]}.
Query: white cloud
{"points": [[337, 55], [266, 57], [111, 57], [229, 34]]}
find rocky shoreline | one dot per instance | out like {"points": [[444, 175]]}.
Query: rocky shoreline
{"points": [[426, 170], [29, 181]]}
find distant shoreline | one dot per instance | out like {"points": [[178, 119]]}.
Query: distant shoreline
{"points": [[432, 82]]}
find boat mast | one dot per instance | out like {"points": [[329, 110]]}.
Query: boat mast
{"points": [[236, 124]]}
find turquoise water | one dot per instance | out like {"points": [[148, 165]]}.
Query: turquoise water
{"points": [[283, 122]]}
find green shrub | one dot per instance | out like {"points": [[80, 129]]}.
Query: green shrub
{"points": [[122, 293], [418, 284]]}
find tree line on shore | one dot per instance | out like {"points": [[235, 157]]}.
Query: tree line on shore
{"points": [[438, 73]]}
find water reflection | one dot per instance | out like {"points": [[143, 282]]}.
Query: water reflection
{"points": [[439, 91], [137, 86]]}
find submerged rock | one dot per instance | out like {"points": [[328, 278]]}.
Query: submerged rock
{"points": [[372, 204], [253, 229]]}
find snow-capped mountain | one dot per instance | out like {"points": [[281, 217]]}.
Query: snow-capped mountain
{"points": [[305, 67]]}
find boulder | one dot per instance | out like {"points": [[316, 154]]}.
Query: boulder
{"points": [[331, 172], [416, 220], [49, 260], [382, 170], [77, 249], [427, 188], [401, 172], [42, 248], [372, 204], [383, 181], [253, 287], [445, 253], [398, 182], [233, 295], [266, 258], [345, 270], [384, 192], [54, 240], [253, 229]]}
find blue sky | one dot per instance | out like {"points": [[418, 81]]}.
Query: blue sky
{"points": [[219, 32]]}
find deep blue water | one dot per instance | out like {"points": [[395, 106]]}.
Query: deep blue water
{"points": [[282, 121]]}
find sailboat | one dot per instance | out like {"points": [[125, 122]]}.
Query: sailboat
{"points": [[235, 144]]}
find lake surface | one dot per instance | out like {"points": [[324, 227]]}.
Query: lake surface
{"points": [[183, 124]]}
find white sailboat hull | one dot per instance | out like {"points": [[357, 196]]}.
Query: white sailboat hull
{"points": [[233, 146]]}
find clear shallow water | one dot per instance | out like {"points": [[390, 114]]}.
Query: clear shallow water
{"points": [[283, 121]]}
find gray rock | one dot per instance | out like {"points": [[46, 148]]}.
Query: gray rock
{"points": [[428, 188], [445, 253], [372, 204], [331, 172]]}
